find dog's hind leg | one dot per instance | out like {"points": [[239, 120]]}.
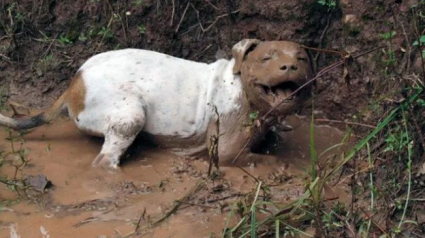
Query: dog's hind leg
{"points": [[112, 149], [123, 127]]}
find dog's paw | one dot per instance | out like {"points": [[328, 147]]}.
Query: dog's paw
{"points": [[105, 162]]}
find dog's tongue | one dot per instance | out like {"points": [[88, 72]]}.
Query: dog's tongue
{"points": [[284, 93]]}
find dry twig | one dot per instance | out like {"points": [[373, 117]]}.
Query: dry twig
{"points": [[344, 122], [214, 22], [182, 18]]}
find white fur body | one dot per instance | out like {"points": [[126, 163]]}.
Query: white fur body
{"points": [[170, 96]]}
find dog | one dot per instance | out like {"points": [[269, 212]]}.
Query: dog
{"points": [[181, 104]]}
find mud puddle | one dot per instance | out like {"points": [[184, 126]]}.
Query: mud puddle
{"points": [[89, 202]]}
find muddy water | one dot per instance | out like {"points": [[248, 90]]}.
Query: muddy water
{"points": [[89, 202]]}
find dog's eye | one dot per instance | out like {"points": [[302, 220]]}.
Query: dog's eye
{"points": [[265, 58]]}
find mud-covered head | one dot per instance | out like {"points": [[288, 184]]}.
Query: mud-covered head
{"points": [[270, 71]]}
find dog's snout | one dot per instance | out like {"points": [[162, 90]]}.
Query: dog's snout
{"points": [[287, 67]]}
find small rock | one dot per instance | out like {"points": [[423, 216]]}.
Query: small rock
{"points": [[39, 182], [287, 33], [421, 217], [351, 20], [336, 99], [417, 65], [421, 170], [39, 72]]}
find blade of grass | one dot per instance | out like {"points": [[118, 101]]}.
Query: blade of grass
{"points": [[239, 225], [409, 170], [330, 148], [306, 194], [277, 231], [229, 217], [253, 233], [298, 231], [253, 211], [372, 188], [256, 195], [313, 153]]}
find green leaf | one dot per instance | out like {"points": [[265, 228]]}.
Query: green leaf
{"points": [[421, 102], [388, 35], [421, 40], [253, 115]]}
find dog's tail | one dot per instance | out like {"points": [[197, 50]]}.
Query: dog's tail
{"points": [[50, 114]]}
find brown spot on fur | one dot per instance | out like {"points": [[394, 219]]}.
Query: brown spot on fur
{"points": [[76, 95]]}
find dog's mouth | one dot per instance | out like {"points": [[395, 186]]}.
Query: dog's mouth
{"points": [[281, 91]]}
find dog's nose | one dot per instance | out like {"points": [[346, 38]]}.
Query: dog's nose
{"points": [[286, 67]]}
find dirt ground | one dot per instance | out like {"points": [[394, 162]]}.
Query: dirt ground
{"points": [[43, 42]]}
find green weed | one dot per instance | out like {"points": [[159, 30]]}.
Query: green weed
{"points": [[82, 37], [396, 140], [420, 43], [388, 35], [138, 2], [14, 12], [64, 40], [141, 29], [390, 57], [253, 116], [105, 33], [45, 64], [330, 4]]}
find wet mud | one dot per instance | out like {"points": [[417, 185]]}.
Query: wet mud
{"points": [[90, 202]]}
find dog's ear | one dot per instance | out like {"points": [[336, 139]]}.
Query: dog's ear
{"points": [[240, 50]]}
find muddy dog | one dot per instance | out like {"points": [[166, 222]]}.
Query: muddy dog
{"points": [[179, 103]]}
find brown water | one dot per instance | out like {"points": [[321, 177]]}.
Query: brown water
{"points": [[90, 202]]}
